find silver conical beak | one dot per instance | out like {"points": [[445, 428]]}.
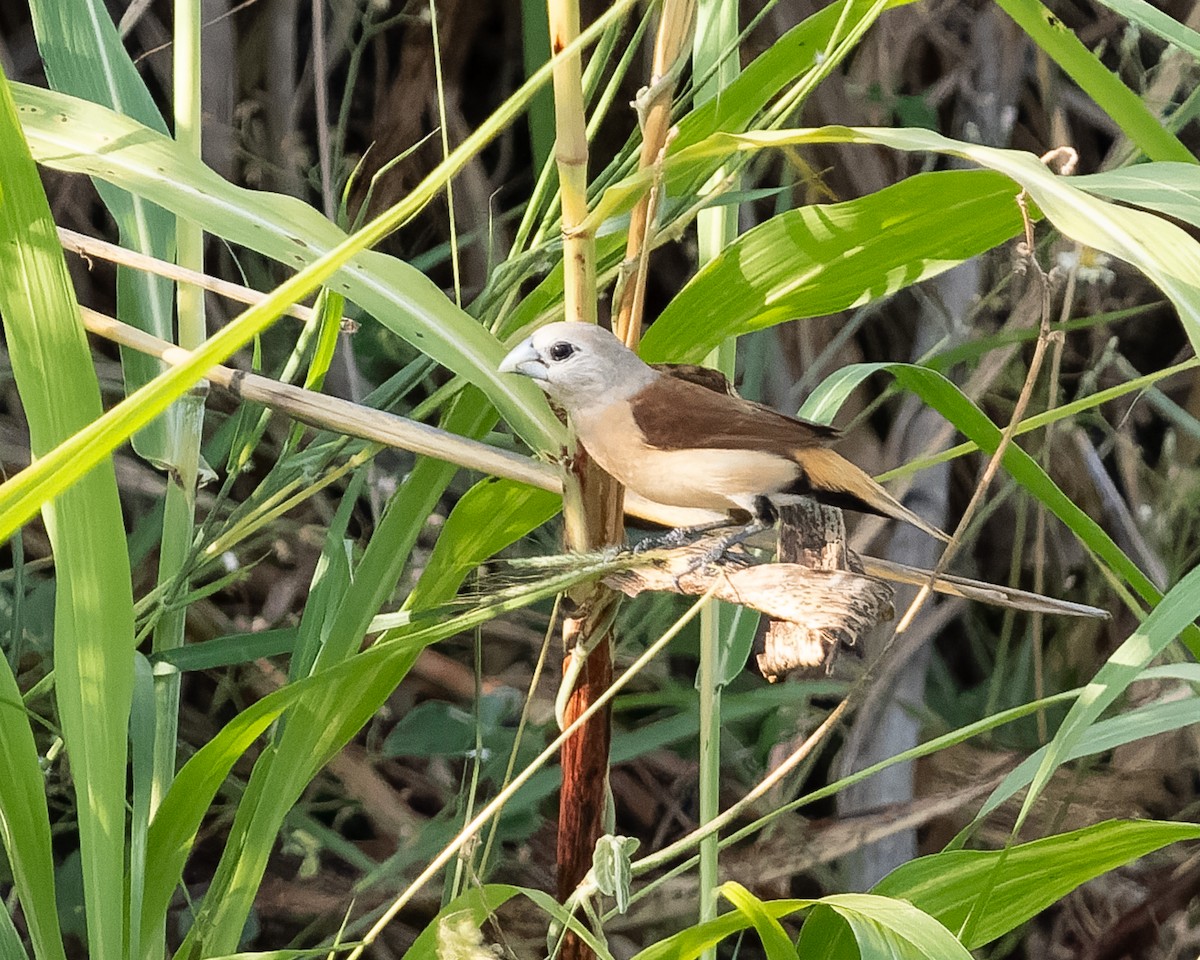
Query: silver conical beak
{"points": [[524, 359]]}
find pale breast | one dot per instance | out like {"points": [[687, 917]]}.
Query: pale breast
{"points": [[713, 479]]}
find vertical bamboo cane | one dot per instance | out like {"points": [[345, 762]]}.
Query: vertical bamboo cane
{"points": [[591, 503]]}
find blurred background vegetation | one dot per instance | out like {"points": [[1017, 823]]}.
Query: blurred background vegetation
{"points": [[257, 551]]}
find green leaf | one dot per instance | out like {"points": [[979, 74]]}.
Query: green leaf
{"points": [[11, 947], [1174, 614], [235, 648], [1170, 188], [1129, 727], [70, 134], [822, 258], [695, 940], [93, 617], [490, 516], [1160, 249], [142, 735], [1150, 18], [738, 627], [775, 941], [1081, 65], [1023, 880], [612, 868], [84, 57], [884, 929], [25, 823]]}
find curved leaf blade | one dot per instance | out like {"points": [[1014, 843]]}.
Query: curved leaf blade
{"points": [[819, 259]]}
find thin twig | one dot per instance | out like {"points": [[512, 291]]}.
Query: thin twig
{"points": [[1027, 251], [88, 247]]}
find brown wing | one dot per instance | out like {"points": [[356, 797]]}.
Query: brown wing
{"points": [[706, 377], [676, 413]]}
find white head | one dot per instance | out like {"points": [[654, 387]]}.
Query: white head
{"points": [[579, 365]]}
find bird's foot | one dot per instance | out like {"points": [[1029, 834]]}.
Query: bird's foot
{"points": [[678, 537], [720, 549], [720, 553]]}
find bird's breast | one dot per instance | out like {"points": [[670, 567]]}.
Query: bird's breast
{"points": [[706, 478]]}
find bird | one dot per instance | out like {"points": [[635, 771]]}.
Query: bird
{"points": [[681, 436]]}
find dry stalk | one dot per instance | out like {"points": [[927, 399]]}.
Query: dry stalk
{"points": [[332, 413], [653, 105], [89, 247]]}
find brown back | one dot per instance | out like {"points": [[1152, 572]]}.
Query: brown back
{"points": [[682, 413]]}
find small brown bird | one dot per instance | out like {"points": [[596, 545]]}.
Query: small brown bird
{"points": [[687, 441]]}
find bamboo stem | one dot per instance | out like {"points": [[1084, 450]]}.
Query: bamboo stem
{"points": [[592, 507]]}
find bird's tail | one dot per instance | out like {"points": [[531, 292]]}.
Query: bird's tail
{"points": [[830, 478]]}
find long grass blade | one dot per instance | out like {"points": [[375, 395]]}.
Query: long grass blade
{"points": [[93, 621]]}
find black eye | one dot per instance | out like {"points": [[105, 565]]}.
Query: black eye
{"points": [[561, 350]]}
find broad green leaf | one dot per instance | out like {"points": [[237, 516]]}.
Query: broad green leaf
{"points": [[1081, 65], [883, 929], [1161, 250], [1035, 875], [1170, 188], [25, 823], [776, 943], [93, 617], [1023, 880], [881, 926], [84, 57], [490, 516], [690, 943], [822, 258]]}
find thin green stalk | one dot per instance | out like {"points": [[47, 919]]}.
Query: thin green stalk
{"points": [[184, 424], [445, 137], [714, 56]]}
